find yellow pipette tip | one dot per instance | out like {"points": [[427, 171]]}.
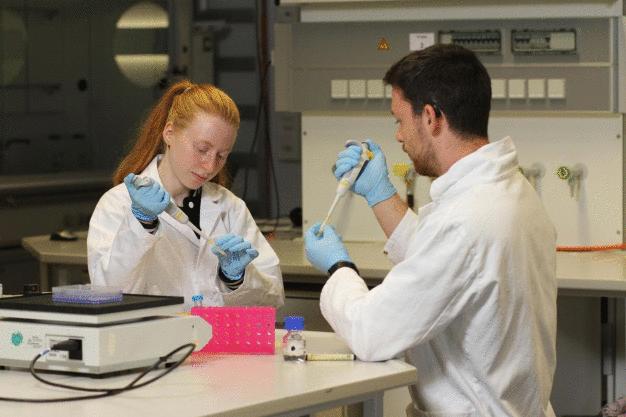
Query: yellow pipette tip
{"points": [[212, 242], [400, 169]]}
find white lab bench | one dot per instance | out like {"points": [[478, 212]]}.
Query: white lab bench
{"points": [[578, 273], [224, 386], [591, 273], [591, 285]]}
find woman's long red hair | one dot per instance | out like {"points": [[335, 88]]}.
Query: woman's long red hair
{"points": [[179, 105]]}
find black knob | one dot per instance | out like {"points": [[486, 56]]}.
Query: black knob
{"points": [[82, 84], [31, 289]]}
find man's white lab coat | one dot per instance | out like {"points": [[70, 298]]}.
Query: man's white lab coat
{"points": [[471, 297], [173, 261]]}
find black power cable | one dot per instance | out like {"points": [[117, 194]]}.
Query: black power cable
{"points": [[256, 130], [105, 392], [263, 56], [263, 107]]}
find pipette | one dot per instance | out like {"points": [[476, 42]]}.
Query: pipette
{"points": [[347, 180], [173, 210]]}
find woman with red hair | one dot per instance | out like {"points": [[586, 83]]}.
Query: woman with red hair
{"points": [[133, 243]]}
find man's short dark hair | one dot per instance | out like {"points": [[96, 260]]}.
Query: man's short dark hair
{"points": [[452, 79]]}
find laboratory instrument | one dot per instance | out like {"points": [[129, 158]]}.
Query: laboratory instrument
{"points": [[103, 338], [173, 210], [294, 344], [347, 180]]}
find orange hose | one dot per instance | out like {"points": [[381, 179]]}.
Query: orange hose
{"points": [[618, 246]]}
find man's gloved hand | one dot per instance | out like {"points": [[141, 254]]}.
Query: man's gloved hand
{"points": [[148, 201], [326, 250], [373, 183], [239, 253]]}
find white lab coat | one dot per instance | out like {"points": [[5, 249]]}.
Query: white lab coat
{"points": [[173, 261], [471, 298]]}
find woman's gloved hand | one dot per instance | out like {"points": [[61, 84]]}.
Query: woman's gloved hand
{"points": [[239, 253], [326, 250], [373, 183], [148, 201]]}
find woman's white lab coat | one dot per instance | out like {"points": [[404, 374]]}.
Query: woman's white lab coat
{"points": [[471, 298], [173, 261]]}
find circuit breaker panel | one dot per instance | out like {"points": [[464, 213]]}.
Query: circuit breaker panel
{"points": [[535, 65]]}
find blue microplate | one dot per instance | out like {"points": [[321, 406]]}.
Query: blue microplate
{"points": [[86, 294]]}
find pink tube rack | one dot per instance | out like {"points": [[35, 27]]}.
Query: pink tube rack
{"points": [[247, 330]]}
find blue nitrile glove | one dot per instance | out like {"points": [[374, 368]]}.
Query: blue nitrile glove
{"points": [[148, 201], [373, 183], [326, 250], [239, 253]]}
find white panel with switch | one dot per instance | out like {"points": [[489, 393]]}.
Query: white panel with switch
{"points": [[537, 88], [375, 89], [388, 88], [517, 88], [556, 88], [338, 89], [498, 88], [356, 88]]}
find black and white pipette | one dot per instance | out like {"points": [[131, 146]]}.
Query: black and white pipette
{"points": [[347, 180]]}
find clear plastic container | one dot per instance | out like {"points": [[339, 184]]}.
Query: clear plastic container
{"points": [[86, 294], [294, 343]]}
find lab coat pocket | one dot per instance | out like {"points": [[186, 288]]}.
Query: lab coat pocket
{"points": [[214, 225], [205, 274], [412, 411]]}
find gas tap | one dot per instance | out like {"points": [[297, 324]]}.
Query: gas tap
{"points": [[573, 176]]}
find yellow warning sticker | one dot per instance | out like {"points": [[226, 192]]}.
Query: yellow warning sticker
{"points": [[383, 45]]}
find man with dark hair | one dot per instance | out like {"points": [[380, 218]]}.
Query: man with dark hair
{"points": [[471, 298]]}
